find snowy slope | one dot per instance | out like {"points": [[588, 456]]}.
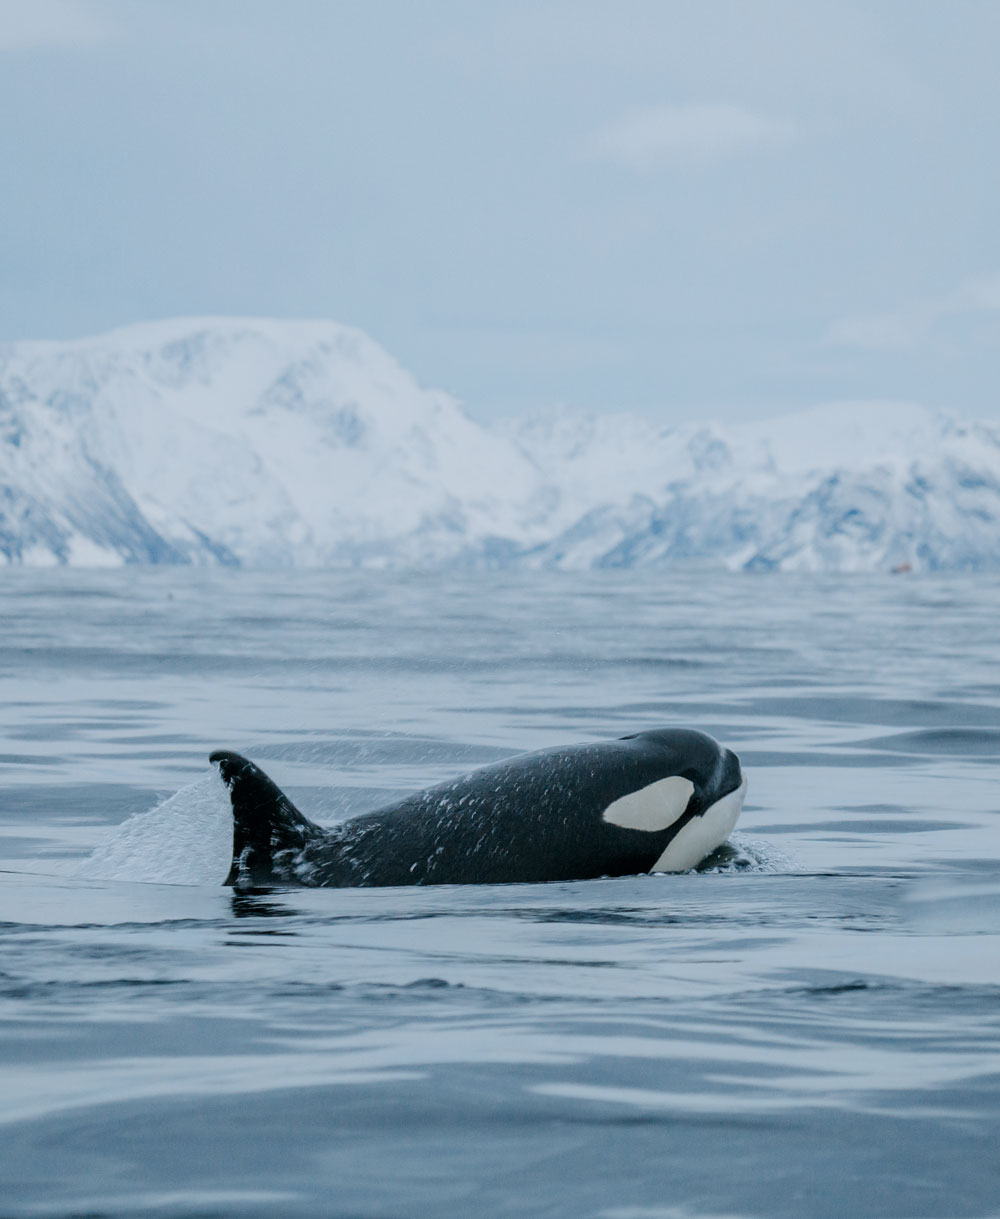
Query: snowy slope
{"points": [[273, 443], [845, 487], [243, 441]]}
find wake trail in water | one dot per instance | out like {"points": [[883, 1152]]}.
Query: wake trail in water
{"points": [[186, 840]]}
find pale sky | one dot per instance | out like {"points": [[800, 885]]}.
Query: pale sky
{"points": [[699, 209]]}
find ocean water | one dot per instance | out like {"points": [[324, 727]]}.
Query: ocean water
{"points": [[808, 1026]]}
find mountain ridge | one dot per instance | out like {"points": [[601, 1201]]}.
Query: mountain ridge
{"points": [[278, 443]]}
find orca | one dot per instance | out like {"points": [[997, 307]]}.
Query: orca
{"points": [[657, 801]]}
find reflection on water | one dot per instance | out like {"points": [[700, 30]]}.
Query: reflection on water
{"points": [[257, 903], [807, 1026]]}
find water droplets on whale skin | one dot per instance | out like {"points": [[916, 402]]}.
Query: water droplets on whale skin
{"points": [[661, 799]]}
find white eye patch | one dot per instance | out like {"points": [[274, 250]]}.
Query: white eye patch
{"points": [[653, 807]]}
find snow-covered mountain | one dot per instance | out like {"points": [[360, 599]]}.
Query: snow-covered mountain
{"points": [[273, 443], [844, 487]]}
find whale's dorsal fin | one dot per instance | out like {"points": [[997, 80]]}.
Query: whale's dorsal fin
{"points": [[265, 822]]}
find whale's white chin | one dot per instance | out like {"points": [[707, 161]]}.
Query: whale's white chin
{"points": [[703, 834]]}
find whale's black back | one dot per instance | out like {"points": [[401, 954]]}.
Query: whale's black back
{"points": [[534, 817]]}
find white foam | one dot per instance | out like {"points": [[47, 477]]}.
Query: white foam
{"points": [[186, 840], [747, 854]]}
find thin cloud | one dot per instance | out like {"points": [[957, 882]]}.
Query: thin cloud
{"points": [[653, 136], [29, 24], [905, 328]]}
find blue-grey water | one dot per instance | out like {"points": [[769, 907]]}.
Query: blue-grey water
{"points": [[808, 1027]]}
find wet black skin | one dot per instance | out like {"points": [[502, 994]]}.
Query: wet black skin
{"points": [[534, 817]]}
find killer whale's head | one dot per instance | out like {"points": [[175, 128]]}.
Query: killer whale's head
{"points": [[694, 804]]}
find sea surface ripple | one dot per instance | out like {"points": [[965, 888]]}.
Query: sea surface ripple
{"points": [[809, 1025]]}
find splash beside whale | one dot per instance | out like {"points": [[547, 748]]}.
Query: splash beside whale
{"points": [[658, 801]]}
